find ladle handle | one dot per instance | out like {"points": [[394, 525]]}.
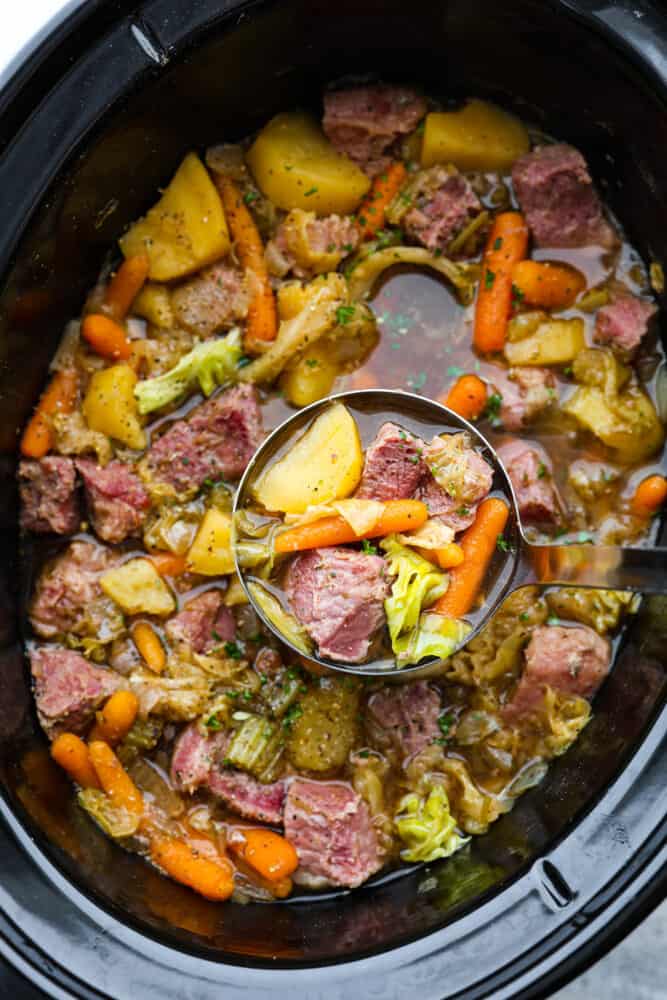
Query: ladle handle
{"points": [[607, 567]]}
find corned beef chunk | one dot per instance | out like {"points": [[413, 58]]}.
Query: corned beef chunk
{"points": [[392, 466], [405, 716], [338, 595], [329, 238], [204, 623], [574, 661], [363, 122], [49, 501], [331, 828], [195, 755], [68, 689], [556, 194], [525, 394], [117, 500], [442, 206], [214, 300], [529, 469], [624, 322], [216, 441]]}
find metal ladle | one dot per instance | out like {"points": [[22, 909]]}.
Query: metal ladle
{"points": [[604, 567]]}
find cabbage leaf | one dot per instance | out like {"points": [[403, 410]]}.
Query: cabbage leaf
{"points": [[434, 635], [427, 827], [417, 584]]}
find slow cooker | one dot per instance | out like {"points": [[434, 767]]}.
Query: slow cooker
{"points": [[92, 121]]}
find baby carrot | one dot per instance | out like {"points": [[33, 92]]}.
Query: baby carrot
{"points": [[467, 397], [449, 556], [168, 563], [148, 643], [106, 337], [649, 496], [384, 189], [58, 397], [116, 718], [125, 285], [508, 241], [397, 515], [478, 544], [72, 754], [210, 878], [114, 779], [262, 322], [267, 852], [550, 286]]}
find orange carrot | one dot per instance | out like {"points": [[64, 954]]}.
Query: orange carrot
{"points": [[59, 397], [125, 285], [72, 754], [467, 397], [384, 189], [550, 286], [649, 496], [449, 556], [148, 643], [267, 852], [508, 241], [478, 544], [212, 878], [116, 718], [114, 779], [397, 515], [168, 563], [106, 338], [262, 323]]}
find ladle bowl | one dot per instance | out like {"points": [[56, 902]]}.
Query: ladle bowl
{"points": [[518, 564]]}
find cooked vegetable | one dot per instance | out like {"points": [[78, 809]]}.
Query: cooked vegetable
{"points": [[209, 365], [110, 407], [556, 342], [524, 324], [71, 753], [506, 246], [267, 852], [324, 464], [168, 563], [115, 821], [125, 285], [396, 516], [312, 377], [601, 609], [467, 397], [363, 275], [296, 166], [448, 460], [623, 419], [548, 285], [286, 623], [256, 746], [478, 136], [478, 544], [149, 645], [153, 303], [322, 726], [211, 551], [426, 826], [262, 323], [649, 496], [173, 526], [307, 254], [137, 588], [385, 187], [449, 556], [433, 635], [58, 398], [106, 337], [416, 586], [142, 738], [116, 719], [210, 877], [185, 230], [114, 779]]}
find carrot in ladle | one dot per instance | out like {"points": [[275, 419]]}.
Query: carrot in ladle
{"points": [[549, 286], [507, 245], [478, 544], [397, 515], [59, 397], [125, 285], [385, 187], [467, 397]]}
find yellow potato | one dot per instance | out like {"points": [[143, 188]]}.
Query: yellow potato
{"points": [[556, 342], [211, 551], [478, 136], [311, 378], [187, 228], [110, 407], [138, 588], [295, 165], [325, 464], [153, 303]]}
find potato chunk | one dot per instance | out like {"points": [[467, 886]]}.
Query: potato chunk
{"points": [[478, 136], [556, 342], [138, 588], [311, 378], [153, 303], [322, 735], [296, 166], [187, 228], [325, 464], [211, 551], [110, 407]]}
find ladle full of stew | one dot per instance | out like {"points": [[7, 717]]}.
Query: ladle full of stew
{"points": [[377, 531]]}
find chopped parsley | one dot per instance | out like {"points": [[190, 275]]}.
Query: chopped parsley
{"points": [[364, 754], [312, 362], [233, 651], [489, 278], [344, 314], [445, 723], [310, 191], [524, 616], [455, 372], [498, 242], [503, 545], [567, 371], [553, 620], [367, 548], [463, 511], [243, 361], [213, 723], [517, 295], [250, 196], [581, 538], [541, 470], [293, 713], [492, 408], [247, 695]]}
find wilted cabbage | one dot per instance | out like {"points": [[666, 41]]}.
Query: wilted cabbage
{"points": [[363, 276], [426, 826], [115, 821], [286, 623], [417, 584]]}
